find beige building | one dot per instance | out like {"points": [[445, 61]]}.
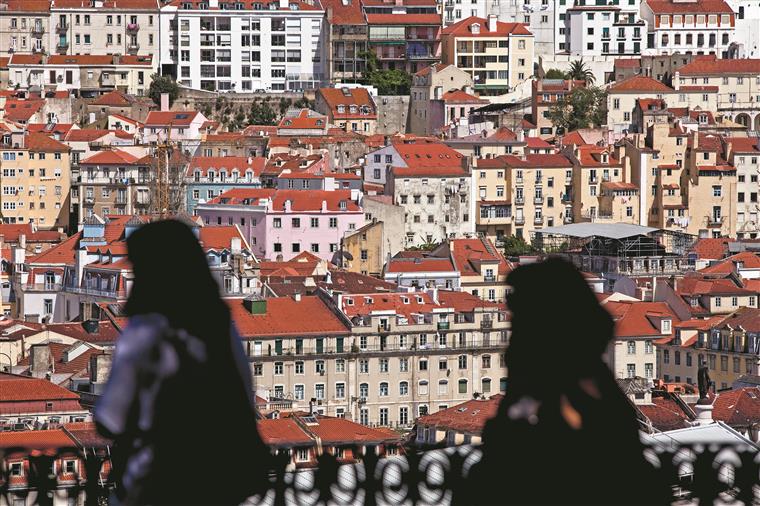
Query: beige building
{"points": [[365, 247], [737, 83], [745, 156], [24, 27], [104, 27], [534, 193], [482, 268], [376, 358], [600, 189], [498, 56], [35, 180], [430, 84]]}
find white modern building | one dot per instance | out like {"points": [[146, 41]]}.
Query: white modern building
{"points": [[457, 10], [227, 46], [605, 30], [747, 36], [539, 17]]}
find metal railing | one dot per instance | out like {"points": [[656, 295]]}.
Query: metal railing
{"points": [[695, 473], [433, 343]]}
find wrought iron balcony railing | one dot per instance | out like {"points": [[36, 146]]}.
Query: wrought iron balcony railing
{"points": [[699, 473]]}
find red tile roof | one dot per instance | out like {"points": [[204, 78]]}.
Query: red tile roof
{"points": [[40, 6], [14, 388], [665, 414], [469, 417], [64, 253], [113, 98], [470, 253], [279, 321], [747, 259], [738, 408], [628, 63], [41, 142], [429, 264], [219, 237], [173, 118], [464, 28], [405, 19], [746, 318], [438, 67], [462, 97], [344, 14], [282, 432], [36, 439], [702, 6], [541, 160], [640, 319], [359, 98], [428, 159], [12, 232], [100, 60], [17, 110], [339, 430], [696, 284], [744, 144], [110, 157], [639, 83], [106, 333], [305, 119], [108, 4], [465, 302], [76, 366], [713, 65]]}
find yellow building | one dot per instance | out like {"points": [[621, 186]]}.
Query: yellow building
{"points": [[598, 173], [498, 56], [35, 180], [365, 247]]}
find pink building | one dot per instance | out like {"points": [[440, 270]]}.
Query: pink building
{"points": [[280, 224]]}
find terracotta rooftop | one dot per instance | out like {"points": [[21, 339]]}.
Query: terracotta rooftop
{"points": [[278, 319], [469, 417]]}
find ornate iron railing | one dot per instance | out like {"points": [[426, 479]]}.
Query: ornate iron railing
{"points": [[707, 474]]}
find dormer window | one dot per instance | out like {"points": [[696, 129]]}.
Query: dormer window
{"points": [[349, 302], [419, 300], [405, 300], [605, 157], [353, 109], [665, 326], [319, 122], [343, 205], [475, 28], [341, 109], [368, 300], [197, 175]]}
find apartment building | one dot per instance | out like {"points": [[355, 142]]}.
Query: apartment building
{"points": [[678, 357], [347, 40], [429, 85], [24, 27], [404, 35], [605, 30], [498, 56], [209, 177], [104, 27], [622, 97], [710, 187], [745, 153], [638, 326], [538, 16], [350, 109], [737, 83], [36, 172], [114, 182], [482, 268], [245, 46], [546, 94], [692, 26], [433, 183], [83, 75], [376, 358], [281, 224]]}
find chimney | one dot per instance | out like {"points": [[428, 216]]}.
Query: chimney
{"points": [[22, 241], [40, 360], [677, 81], [100, 367], [164, 102], [297, 296], [492, 22]]}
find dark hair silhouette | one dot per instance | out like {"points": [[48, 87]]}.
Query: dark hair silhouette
{"points": [[564, 432], [180, 390]]}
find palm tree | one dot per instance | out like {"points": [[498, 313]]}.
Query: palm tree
{"points": [[579, 71]]}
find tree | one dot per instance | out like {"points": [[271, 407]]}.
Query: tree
{"points": [[160, 85], [515, 246], [261, 113], [581, 108], [579, 71], [555, 74], [387, 82]]}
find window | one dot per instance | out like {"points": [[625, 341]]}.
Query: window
{"points": [[423, 364], [299, 367], [403, 388], [648, 348], [340, 390], [443, 364], [631, 347], [403, 365], [384, 389], [486, 360], [364, 390], [486, 385], [299, 392], [462, 361], [364, 366], [278, 368], [443, 387], [631, 370], [383, 365]]}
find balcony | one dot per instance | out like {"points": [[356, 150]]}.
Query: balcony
{"points": [[538, 220], [61, 28], [421, 56], [133, 47], [121, 200], [519, 201], [63, 45], [95, 292], [443, 325], [715, 221], [38, 31], [42, 287], [566, 198], [519, 220], [433, 476], [593, 179], [133, 28], [489, 279], [538, 200], [567, 220]]}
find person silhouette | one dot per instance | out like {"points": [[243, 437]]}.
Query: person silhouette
{"points": [[564, 432], [178, 402]]}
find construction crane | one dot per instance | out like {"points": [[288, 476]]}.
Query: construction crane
{"points": [[162, 202]]}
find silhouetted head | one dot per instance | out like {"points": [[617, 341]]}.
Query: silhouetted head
{"points": [[172, 278], [559, 330]]}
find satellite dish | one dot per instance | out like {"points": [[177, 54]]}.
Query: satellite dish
{"points": [[347, 255]]}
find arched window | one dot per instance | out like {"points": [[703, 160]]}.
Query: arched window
{"points": [[462, 386], [486, 385], [211, 175], [443, 386], [403, 388], [235, 175], [383, 389], [364, 390], [223, 175], [197, 175], [503, 385], [249, 175], [422, 389]]}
